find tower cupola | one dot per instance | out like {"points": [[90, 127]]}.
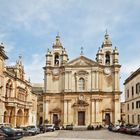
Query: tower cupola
{"points": [[106, 55], [57, 43], [107, 42]]}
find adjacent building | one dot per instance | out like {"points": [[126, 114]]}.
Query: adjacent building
{"points": [[17, 101], [82, 91], [38, 88], [132, 97], [123, 112]]}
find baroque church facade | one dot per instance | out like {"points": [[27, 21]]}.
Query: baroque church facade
{"points": [[82, 91]]}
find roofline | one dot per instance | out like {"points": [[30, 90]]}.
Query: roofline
{"points": [[134, 74]]}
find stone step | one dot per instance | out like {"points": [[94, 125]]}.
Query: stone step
{"points": [[79, 128]]}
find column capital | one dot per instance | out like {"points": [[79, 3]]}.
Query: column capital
{"points": [[46, 101], [96, 99]]}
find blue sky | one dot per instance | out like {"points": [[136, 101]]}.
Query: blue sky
{"points": [[29, 27]]}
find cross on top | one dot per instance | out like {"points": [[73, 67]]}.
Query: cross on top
{"points": [[82, 51]]}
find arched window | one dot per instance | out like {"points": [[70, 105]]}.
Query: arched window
{"points": [[5, 117], [9, 88], [56, 59], [81, 84], [107, 58]]}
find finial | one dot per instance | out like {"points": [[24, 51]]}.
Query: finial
{"points": [[106, 34], [19, 59], [57, 36], [57, 33], [29, 80], [82, 51], [1, 45]]}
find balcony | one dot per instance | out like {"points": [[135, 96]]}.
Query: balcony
{"points": [[13, 102], [10, 101]]}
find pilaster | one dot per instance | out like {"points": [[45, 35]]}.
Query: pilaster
{"points": [[93, 113], [46, 110], [65, 111]]}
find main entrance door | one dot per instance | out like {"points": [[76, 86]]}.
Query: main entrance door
{"points": [[107, 118], [81, 118], [55, 118]]}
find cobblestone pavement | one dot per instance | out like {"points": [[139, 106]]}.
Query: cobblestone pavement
{"points": [[82, 135]]}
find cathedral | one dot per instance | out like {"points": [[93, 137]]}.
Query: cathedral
{"points": [[82, 91]]}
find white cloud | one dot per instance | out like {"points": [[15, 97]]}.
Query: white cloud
{"points": [[34, 70], [81, 24]]}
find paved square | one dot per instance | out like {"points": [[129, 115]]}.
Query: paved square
{"points": [[82, 135]]}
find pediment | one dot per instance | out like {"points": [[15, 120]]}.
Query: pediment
{"points": [[82, 61]]}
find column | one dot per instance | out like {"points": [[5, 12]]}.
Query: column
{"points": [[70, 120], [91, 80], [45, 110], [23, 117], [117, 110], [66, 81], [93, 113], [75, 78], [45, 82], [65, 111], [97, 80], [30, 117], [70, 81], [98, 112], [15, 117], [116, 80], [74, 117]]}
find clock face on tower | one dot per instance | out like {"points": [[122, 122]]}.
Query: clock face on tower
{"points": [[107, 71], [55, 71]]}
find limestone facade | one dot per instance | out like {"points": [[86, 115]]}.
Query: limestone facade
{"points": [[82, 91], [123, 112], [18, 103], [37, 88], [132, 98]]}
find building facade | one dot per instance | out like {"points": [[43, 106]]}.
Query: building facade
{"points": [[18, 103], [82, 91], [37, 88], [123, 112], [132, 98]]}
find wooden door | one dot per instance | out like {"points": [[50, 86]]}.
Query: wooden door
{"points": [[81, 118], [107, 118], [55, 118]]}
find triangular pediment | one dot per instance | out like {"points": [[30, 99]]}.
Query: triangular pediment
{"points": [[82, 61]]}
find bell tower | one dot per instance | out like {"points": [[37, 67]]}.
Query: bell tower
{"points": [[55, 61], [58, 56], [106, 55]]}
